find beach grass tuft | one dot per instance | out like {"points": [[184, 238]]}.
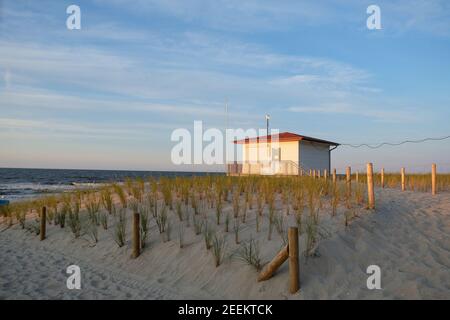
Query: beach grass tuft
{"points": [[120, 228], [218, 248], [249, 252]]}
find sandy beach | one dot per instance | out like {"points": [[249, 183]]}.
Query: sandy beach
{"points": [[408, 237]]}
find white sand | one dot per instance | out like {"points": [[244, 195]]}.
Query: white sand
{"points": [[408, 237]]}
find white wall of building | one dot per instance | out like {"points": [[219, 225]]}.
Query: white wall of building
{"points": [[310, 155], [254, 152], [289, 151]]}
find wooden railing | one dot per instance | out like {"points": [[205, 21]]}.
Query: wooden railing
{"points": [[282, 167]]}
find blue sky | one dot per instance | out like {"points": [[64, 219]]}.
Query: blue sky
{"points": [[109, 95]]}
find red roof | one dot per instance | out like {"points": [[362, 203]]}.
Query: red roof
{"points": [[283, 137]]}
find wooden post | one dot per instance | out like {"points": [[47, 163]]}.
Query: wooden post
{"points": [[136, 236], [294, 279], [318, 173], [314, 173], [273, 265], [357, 176], [433, 179], [382, 177], [403, 179], [43, 222], [348, 173], [370, 191], [334, 176], [325, 174]]}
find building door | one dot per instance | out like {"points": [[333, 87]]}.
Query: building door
{"points": [[276, 154]]}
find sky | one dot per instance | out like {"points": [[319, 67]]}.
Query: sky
{"points": [[108, 96]]}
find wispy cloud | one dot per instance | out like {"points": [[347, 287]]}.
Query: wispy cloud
{"points": [[57, 126], [378, 114], [423, 16], [260, 16], [40, 99], [94, 70], [240, 16]]}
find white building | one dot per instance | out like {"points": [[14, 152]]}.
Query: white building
{"points": [[283, 154]]}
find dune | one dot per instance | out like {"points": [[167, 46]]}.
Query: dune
{"points": [[407, 236]]}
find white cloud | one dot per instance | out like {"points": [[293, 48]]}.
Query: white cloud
{"points": [[378, 114], [259, 16], [235, 15], [425, 16], [52, 126], [39, 99], [135, 79]]}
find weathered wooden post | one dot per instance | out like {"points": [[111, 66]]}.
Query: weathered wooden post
{"points": [[273, 265], [348, 173], [433, 179], [294, 279], [136, 236], [403, 179], [382, 178], [334, 176], [370, 191], [43, 222]]}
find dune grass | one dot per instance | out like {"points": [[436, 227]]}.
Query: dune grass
{"points": [[249, 253], [215, 205], [120, 228], [420, 182], [218, 248]]}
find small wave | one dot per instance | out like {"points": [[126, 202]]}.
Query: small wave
{"points": [[87, 184]]}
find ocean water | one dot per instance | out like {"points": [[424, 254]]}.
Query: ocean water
{"points": [[17, 184]]}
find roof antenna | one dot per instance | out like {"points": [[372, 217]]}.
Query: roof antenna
{"points": [[226, 115], [226, 127], [267, 137], [267, 124]]}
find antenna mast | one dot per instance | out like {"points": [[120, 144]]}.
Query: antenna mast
{"points": [[226, 115]]}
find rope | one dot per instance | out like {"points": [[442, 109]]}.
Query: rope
{"points": [[379, 145]]}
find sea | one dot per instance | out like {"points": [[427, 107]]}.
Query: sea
{"points": [[19, 184]]}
